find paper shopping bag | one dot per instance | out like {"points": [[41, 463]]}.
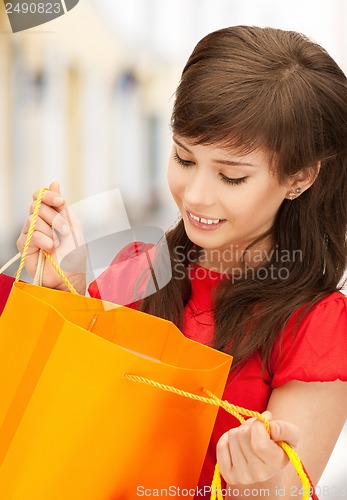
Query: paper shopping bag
{"points": [[72, 426]]}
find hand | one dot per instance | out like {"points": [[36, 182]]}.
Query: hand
{"points": [[56, 234], [248, 455]]}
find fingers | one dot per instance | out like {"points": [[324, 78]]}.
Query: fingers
{"points": [[252, 454], [51, 224], [58, 234], [47, 214], [224, 457], [247, 454], [50, 198], [284, 431], [44, 236], [54, 186]]}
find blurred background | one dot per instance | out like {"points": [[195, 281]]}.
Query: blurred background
{"points": [[86, 100]]}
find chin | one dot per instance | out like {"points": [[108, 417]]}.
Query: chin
{"points": [[207, 241]]}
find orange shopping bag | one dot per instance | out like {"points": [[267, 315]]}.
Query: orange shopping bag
{"points": [[73, 426]]}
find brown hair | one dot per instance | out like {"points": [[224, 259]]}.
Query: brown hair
{"points": [[246, 88]]}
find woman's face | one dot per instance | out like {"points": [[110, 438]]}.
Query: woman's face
{"points": [[226, 200]]}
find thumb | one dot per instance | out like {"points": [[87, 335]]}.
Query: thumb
{"points": [[54, 186], [267, 414], [281, 430]]}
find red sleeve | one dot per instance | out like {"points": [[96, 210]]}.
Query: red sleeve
{"points": [[317, 350], [128, 276], [6, 283]]}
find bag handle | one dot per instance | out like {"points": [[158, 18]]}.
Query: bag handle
{"points": [[43, 252], [239, 413], [10, 262], [38, 278]]}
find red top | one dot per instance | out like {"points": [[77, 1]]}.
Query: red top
{"points": [[6, 283], [317, 351]]}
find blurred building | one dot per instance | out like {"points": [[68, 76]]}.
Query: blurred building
{"points": [[79, 107]]}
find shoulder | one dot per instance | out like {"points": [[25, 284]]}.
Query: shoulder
{"points": [[333, 298], [330, 311], [326, 315], [313, 347]]}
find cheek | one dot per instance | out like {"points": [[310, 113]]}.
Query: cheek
{"points": [[171, 178], [267, 202], [260, 200], [174, 179]]}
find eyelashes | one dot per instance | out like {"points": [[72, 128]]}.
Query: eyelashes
{"points": [[180, 161], [225, 179], [233, 182]]}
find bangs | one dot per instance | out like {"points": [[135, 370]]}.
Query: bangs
{"points": [[234, 99], [209, 116], [249, 117]]}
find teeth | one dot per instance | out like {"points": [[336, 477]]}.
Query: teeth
{"points": [[204, 221]]}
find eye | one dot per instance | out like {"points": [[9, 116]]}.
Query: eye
{"points": [[180, 161], [233, 182]]}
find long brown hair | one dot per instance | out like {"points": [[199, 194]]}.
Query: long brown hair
{"points": [[246, 88]]}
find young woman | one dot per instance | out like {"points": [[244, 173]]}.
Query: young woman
{"points": [[258, 170]]}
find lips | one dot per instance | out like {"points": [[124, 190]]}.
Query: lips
{"points": [[203, 222]]}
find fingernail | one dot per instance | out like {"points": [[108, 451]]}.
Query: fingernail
{"points": [[58, 200]]}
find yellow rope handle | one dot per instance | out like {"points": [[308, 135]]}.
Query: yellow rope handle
{"points": [[61, 273], [46, 254], [216, 486], [298, 466], [238, 412]]}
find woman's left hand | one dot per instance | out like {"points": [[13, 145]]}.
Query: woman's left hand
{"points": [[247, 454]]}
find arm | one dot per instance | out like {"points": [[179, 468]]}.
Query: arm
{"points": [[250, 460]]}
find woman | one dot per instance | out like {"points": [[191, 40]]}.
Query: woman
{"points": [[258, 170]]}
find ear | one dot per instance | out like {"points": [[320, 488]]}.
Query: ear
{"points": [[302, 181]]}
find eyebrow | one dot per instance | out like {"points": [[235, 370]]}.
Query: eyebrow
{"points": [[233, 163]]}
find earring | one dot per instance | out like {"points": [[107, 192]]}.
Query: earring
{"points": [[292, 195]]}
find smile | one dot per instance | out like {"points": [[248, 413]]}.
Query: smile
{"points": [[203, 223]]}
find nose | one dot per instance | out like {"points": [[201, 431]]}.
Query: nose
{"points": [[199, 190]]}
